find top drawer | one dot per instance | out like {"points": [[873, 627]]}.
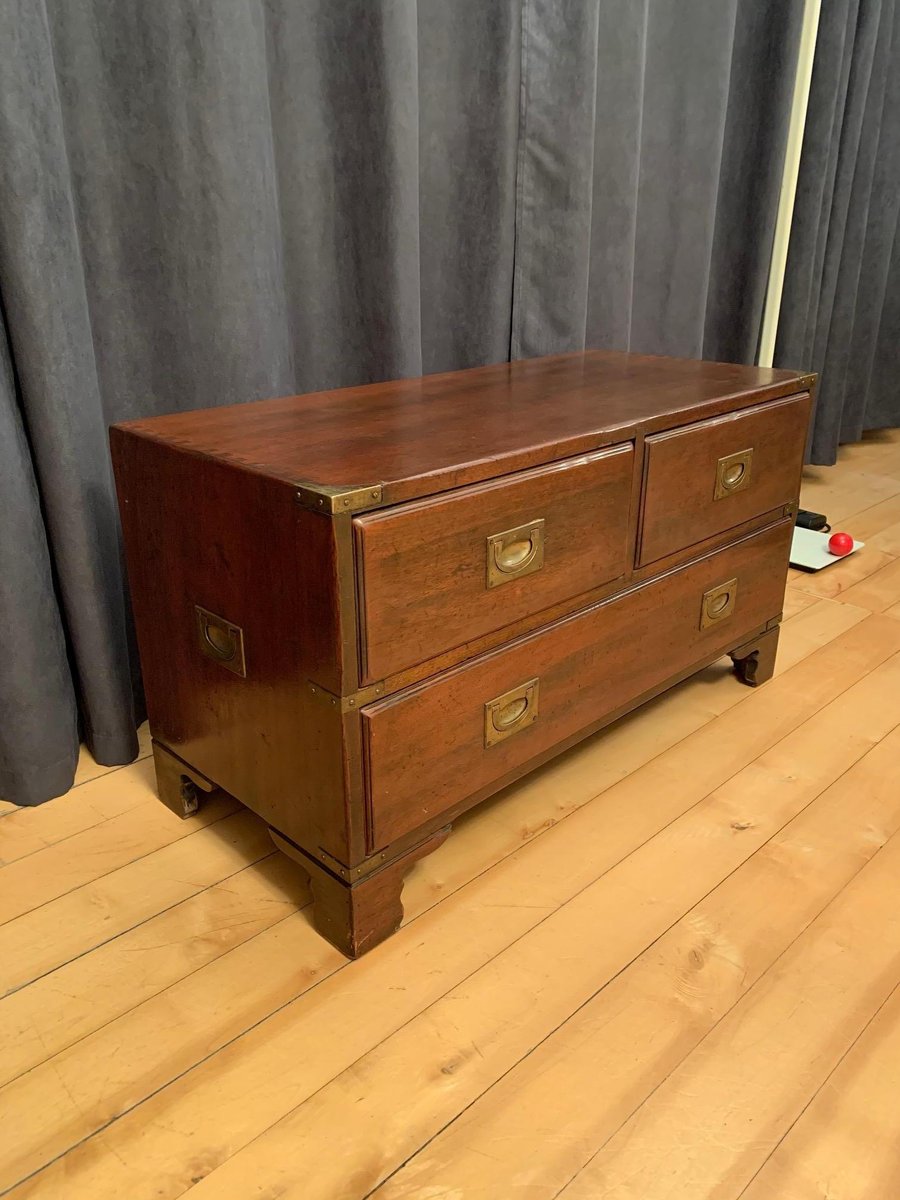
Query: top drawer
{"points": [[708, 478], [435, 574]]}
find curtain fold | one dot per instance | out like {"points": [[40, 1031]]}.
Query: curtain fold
{"points": [[38, 726], [215, 201], [44, 296], [205, 203], [653, 138], [840, 312]]}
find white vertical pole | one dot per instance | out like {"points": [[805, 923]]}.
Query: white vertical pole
{"points": [[796, 125]]}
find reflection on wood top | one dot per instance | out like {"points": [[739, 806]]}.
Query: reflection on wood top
{"points": [[417, 436]]}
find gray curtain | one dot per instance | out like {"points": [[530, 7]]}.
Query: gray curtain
{"points": [[650, 171], [840, 313], [207, 201]]}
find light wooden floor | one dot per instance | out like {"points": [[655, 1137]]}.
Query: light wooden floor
{"points": [[665, 967]]}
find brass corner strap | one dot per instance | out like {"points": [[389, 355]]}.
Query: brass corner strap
{"points": [[346, 704], [318, 497]]}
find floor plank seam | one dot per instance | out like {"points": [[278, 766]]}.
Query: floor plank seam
{"points": [[150, 803], [256, 1024], [488, 868], [120, 867], [775, 833], [137, 925], [887, 1000], [99, 1028], [713, 1028], [590, 999]]}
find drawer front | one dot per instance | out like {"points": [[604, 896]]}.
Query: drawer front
{"points": [[429, 748], [710, 477], [435, 574]]}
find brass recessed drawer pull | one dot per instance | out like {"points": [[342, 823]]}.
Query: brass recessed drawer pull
{"points": [[511, 712], [718, 603], [514, 553], [733, 473], [221, 641]]}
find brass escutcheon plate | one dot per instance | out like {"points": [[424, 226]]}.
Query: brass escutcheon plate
{"points": [[514, 553], [512, 712], [718, 603], [221, 640], [733, 473]]}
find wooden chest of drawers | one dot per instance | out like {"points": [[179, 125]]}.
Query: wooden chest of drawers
{"points": [[361, 612]]}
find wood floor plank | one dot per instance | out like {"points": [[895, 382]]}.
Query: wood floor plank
{"points": [[82, 996], [845, 1144], [812, 627], [397, 1098], [36, 880], [240, 1091], [871, 524], [58, 932], [795, 601], [711, 1125], [30, 830], [638, 1029], [835, 581], [877, 592], [878, 450], [888, 539], [842, 494]]}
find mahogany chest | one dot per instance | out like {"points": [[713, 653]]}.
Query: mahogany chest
{"points": [[362, 611]]}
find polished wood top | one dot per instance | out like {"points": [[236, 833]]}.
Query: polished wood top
{"points": [[419, 436]]}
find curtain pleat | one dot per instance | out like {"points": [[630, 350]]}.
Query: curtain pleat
{"points": [[38, 723], [840, 313], [44, 295], [652, 138], [208, 203]]}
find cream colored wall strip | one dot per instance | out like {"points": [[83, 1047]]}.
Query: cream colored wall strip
{"points": [[805, 56]]}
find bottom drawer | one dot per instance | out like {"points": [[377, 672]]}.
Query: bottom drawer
{"points": [[430, 747]]}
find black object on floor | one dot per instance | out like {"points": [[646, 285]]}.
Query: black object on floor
{"points": [[812, 520]]}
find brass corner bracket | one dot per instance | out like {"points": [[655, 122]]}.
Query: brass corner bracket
{"points": [[321, 498], [346, 704]]}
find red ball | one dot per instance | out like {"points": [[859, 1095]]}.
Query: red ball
{"points": [[840, 544]]}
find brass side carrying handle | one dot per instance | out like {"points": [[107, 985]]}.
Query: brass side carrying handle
{"points": [[513, 711], [514, 553], [733, 472], [718, 603], [221, 640]]}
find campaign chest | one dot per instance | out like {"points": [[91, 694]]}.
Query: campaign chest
{"points": [[362, 611]]}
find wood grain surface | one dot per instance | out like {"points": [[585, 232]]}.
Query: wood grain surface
{"points": [[426, 748], [680, 506], [419, 436], [423, 565]]}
